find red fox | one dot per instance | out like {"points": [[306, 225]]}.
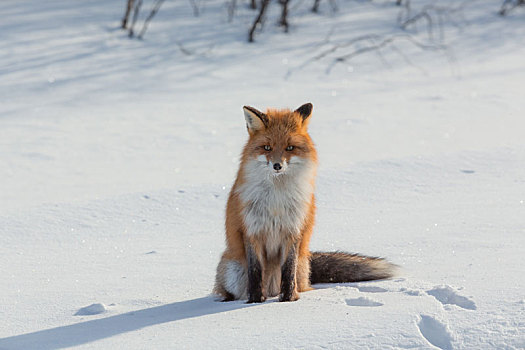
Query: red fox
{"points": [[270, 217]]}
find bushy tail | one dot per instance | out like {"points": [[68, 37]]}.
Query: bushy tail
{"points": [[338, 267]]}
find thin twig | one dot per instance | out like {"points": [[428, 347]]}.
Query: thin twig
{"points": [[385, 42], [509, 5], [135, 17], [433, 14], [284, 15], [152, 14], [258, 21], [129, 6], [373, 43]]}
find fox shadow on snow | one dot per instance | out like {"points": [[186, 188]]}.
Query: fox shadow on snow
{"points": [[89, 331]]}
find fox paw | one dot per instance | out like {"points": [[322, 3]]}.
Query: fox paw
{"points": [[289, 296], [256, 299], [228, 297]]}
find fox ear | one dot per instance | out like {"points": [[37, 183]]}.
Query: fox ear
{"points": [[255, 120], [305, 110]]}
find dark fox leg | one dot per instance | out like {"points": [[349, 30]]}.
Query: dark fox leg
{"points": [[228, 297], [255, 293], [288, 276]]}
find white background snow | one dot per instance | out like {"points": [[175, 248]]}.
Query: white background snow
{"points": [[117, 155]]}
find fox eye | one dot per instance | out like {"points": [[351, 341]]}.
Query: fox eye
{"points": [[267, 148], [290, 148]]}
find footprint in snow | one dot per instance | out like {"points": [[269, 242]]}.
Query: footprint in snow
{"points": [[435, 332], [362, 301], [371, 289], [412, 292], [447, 295], [93, 309]]}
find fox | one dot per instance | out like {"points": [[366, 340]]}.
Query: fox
{"points": [[270, 214]]}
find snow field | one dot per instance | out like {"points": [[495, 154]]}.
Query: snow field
{"points": [[116, 158]]}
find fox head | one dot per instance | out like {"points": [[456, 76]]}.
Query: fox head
{"points": [[279, 142]]}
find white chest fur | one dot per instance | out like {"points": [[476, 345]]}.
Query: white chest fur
{"points": [[276, 205]]}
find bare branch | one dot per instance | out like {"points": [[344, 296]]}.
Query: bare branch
{"points": [[407, 59], [129, 6], [152, 14], [258, 21], [369, 37], [136, 11], [382, 44], [421, 15], [315, 8], [333, 5], [434, 17], [368, 44], [284, 14], [509, 5]]}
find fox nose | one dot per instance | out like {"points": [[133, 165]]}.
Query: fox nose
{"points": [[277, 166]]}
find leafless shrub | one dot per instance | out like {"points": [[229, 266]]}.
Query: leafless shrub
{"points": [[433, 17], [344, 52], [259, 20], [133, 9]]}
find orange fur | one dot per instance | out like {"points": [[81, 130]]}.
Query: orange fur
{"points": [[284, 128], [270, 217]]}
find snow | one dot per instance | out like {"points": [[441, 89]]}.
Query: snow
{"points": [[362, 301], [93, 309], [117, 155], [435, 332], [446, 295]]}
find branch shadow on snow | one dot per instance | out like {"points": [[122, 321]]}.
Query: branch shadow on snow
{"points": [[90, 331]]}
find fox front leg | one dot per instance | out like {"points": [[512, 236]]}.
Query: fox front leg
{"points": [[255, 293], [288, 276]]}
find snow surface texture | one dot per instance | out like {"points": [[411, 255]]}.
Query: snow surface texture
{"points": [[117, 156], [93, 309]]}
